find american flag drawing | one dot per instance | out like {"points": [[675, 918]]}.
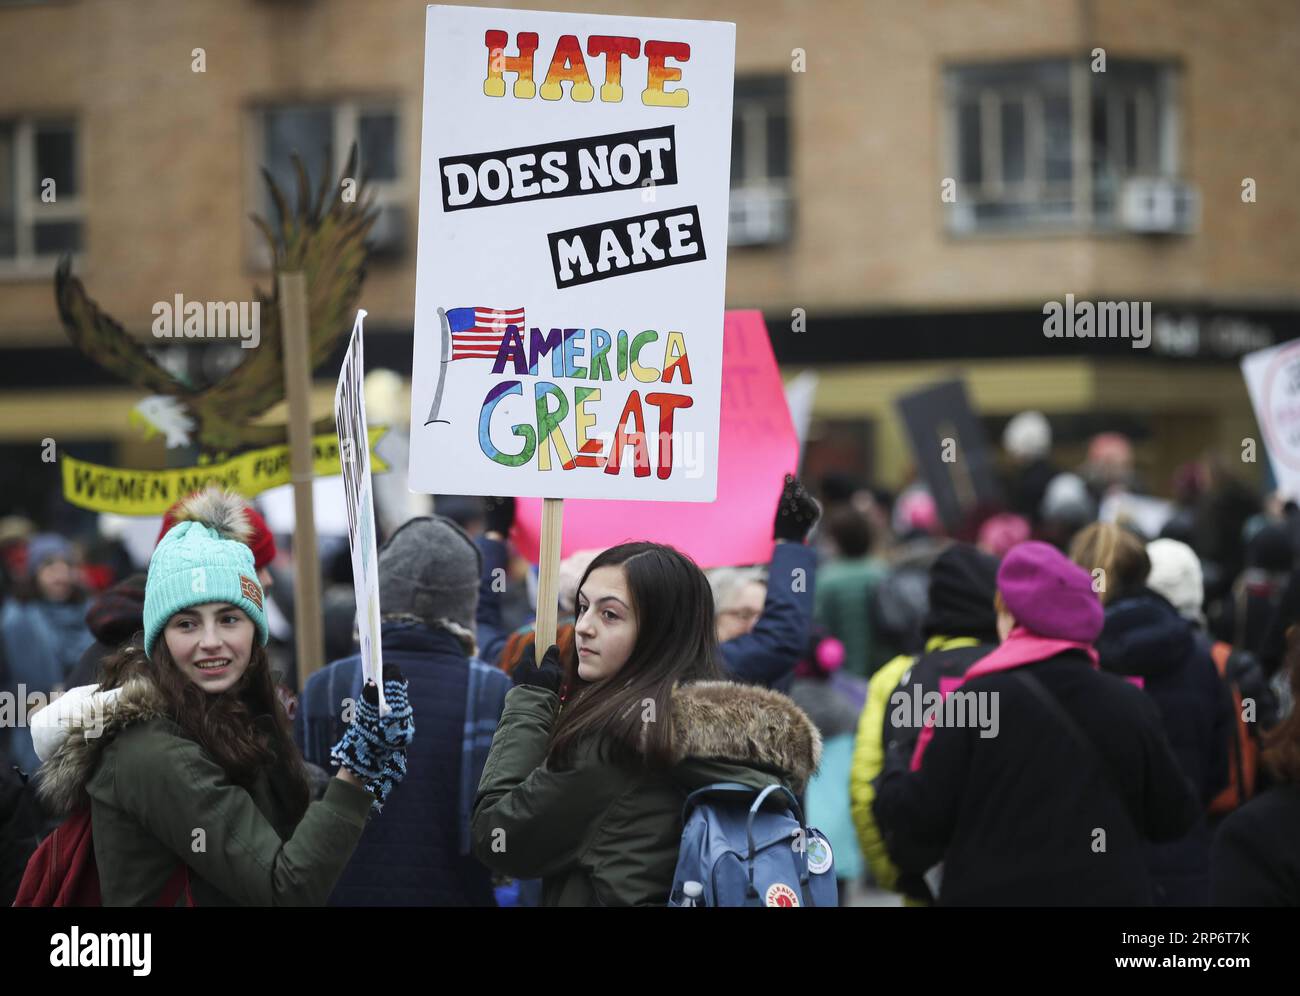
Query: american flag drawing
{"points": [[476, 333]]}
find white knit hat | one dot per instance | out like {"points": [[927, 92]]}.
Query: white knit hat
{"points": [[1028, 436], [1176, 574]]}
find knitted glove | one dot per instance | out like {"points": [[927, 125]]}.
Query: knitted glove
{"points": [[370, 743], [549, 674], [796, 513], [500, 515], [394, 771]]}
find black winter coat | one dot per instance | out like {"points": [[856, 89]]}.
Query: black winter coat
{"points": [[1145, 636], [1014, 817], [1256, 856]]}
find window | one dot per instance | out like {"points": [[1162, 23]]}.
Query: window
{"points": [[1130, 129], [760, 162], [1019, 155], [40, 194], [322, 135]]}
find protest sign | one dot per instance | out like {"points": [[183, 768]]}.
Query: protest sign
{"points": [[951, 450], [328, 504], [151, 492], [572, 255], [1273, 381], [800, 397], [757, 448], [354, 458], [1146, 514]]}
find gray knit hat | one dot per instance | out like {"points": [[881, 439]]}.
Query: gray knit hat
{"points": [[430, 569]]}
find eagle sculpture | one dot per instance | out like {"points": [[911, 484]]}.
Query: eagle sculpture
{"points": [[325, 239]]}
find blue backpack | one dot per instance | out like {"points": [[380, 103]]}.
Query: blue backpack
{"points": [[735, 853]]}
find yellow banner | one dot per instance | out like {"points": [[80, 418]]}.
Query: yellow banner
{"points": [[152, 492]]}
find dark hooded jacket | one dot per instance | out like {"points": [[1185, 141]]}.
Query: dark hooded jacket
{"points": [[601, 834], [1243, 615], [1032, 816], [1144, 636], [960, 628], [963, 584], [1256, 857]]}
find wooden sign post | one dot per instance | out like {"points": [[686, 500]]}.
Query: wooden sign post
{"points": [[548, 574], [308, 634]]}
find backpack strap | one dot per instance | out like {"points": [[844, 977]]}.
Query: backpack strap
{"points": [[1054, 707], [1239, 730], [802, 851], [739, 793]]}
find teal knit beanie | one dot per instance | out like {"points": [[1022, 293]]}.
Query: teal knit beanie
{"points": [[194, 564]]}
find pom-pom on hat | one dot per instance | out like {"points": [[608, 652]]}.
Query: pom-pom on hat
{"points": [[213, 503], [197, 562], [1049, 594]]}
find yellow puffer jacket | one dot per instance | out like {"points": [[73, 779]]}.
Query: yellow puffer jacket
{"points": [[869, 755]]}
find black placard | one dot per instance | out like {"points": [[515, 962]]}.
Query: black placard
{"points": [[630, 236], [564, 166]]}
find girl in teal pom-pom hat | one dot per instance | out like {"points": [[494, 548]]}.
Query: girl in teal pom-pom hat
{"points": [[185, 754]]}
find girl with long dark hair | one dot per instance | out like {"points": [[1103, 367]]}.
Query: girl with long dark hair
{"points": [[587, 793], [185, 754]]}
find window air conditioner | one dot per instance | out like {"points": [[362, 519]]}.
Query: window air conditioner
{"points": [[758, 216], [1158, 206]]}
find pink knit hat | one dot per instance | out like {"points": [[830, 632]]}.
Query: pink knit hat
{"points": [[1001, 532], [1048, 594]]}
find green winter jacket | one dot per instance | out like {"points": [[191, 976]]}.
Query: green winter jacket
{"points": [[157, 799], [842, 604], [603, 835]]}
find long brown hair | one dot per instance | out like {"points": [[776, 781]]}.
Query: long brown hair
{"points": [[1281, 745], [630, 714], [244, 729]]}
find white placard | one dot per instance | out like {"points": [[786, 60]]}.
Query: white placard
{"points": [[1273, 380], [574, 185], [354, 458], [1146, 513]]}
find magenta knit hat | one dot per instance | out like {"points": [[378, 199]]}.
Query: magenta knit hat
{"points": [[1048, 594]]}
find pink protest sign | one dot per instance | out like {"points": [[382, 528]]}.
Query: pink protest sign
{"points": [[756, 450]]}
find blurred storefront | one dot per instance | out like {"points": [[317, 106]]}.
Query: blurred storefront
{"points": [[911, 184]]}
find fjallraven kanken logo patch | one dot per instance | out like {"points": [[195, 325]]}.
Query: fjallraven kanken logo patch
{"points": [[780, 894], [251, 590]]}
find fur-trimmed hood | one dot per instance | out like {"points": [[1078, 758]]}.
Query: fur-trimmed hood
{"points": [[747, 725], [70, 735]]}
